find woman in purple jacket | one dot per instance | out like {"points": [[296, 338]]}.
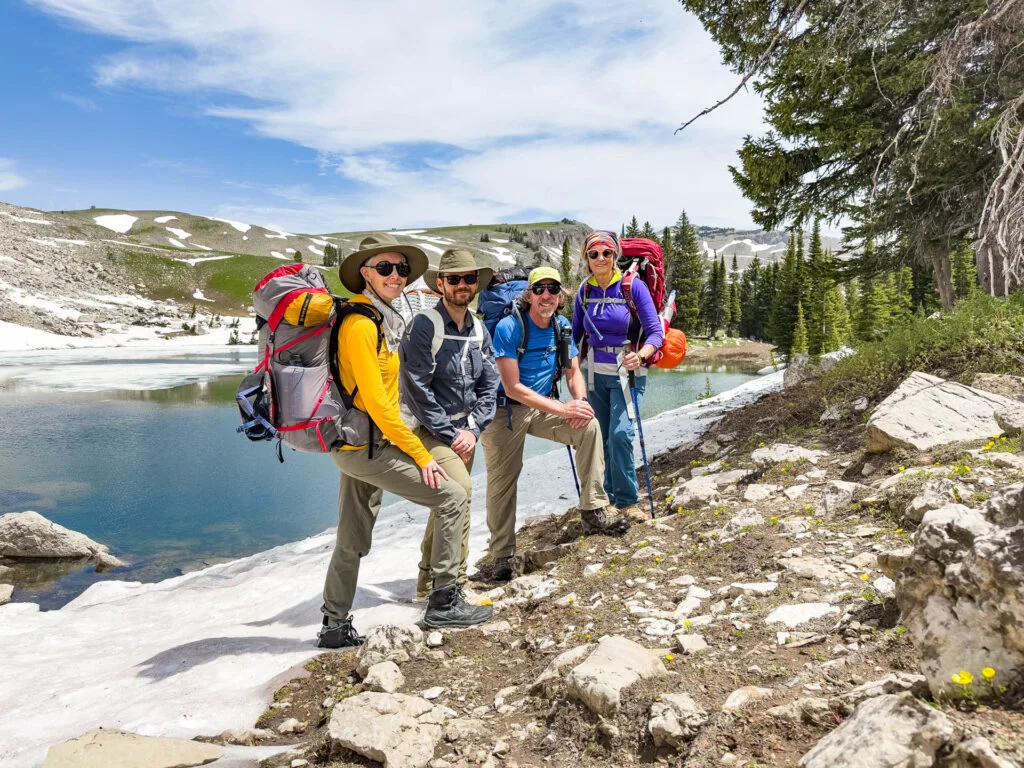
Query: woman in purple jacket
{"points": [[602, 317]]}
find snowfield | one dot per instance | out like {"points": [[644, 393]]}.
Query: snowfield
{"points": [[165, 219], [243, 228], [203, 652], [120, 222]]}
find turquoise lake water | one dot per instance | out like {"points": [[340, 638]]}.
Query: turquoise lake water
{"points": [[162, 478]]}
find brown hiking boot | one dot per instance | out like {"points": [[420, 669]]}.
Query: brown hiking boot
{"points": [[603, 520], [637, 513]]}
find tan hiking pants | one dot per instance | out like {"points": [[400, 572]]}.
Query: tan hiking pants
{"points": [[459, 472], [503, 452], [362, 479]]}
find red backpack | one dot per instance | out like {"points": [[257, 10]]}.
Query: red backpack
{"points": [[643, 257]]}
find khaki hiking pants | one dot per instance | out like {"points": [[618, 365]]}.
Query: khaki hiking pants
{"points": [[459, 472], [362, 480], [503, 453]]}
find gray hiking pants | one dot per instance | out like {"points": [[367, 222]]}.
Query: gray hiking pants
{"points": [[362, 479], [459, 472], [503, 454]]}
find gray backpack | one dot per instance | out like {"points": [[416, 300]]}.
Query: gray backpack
{"points": [[295, 395]]}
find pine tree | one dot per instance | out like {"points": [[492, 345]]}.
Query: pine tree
{"points": [[817, 283], [965, 274], [735, 308], [788, 295], [852, 290], [297, 257], [633, 229], [566, 263], [799, 333], [875, 309], [687, 278], [766, 294], [648, 231], [668, 258]]}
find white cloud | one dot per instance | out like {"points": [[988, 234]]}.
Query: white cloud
{"points": [[8, 178], [532, 101], [83, 103]]}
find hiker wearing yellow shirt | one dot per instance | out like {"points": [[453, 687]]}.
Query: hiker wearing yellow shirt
{"points": [[394, 459]]}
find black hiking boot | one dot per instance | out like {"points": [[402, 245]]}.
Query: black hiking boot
{"points": [[502, 569], [340, 634], [600, 521], [448, 608]]}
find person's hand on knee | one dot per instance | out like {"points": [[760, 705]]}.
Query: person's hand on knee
{"points": [[433, 474]]}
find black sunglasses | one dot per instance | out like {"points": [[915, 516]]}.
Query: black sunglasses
{"points": [[553, 288], [454, 280], [600, 254], [385, 268]]}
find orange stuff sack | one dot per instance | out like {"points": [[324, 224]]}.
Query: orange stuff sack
{"points": [[673, 349]]}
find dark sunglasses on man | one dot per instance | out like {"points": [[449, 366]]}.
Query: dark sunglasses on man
{"points": [[454, 280], [605, 254], [553, 288], [385, 268]]}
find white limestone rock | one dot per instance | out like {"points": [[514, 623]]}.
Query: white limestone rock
{"points": [[745, 518], [616, 663], [675, 719], [395, 730], [108, 748], [385, 677], [813, 710], [893, 561], [839, 495], [6, 593], [797, 491], [753, 589], [535, 586], [897, 682], [697, 492], [759, 492], [812, 568], [779, 452], [1011, 420], [925, 412], [691, 644], [30, 535], [743, 696], [961, 595], [548, 680], [884, 732]]}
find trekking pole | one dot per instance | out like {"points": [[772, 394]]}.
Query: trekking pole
{"points": [[639, 428], [575, 477]]}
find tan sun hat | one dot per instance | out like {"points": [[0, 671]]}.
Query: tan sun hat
{"points": [[458, 260], [371, 245]]}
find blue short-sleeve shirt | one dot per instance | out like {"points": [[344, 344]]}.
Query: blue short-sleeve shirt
{"points": [[540, 360]]}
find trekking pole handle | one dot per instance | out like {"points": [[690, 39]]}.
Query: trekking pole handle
{"points": [[626, 349]]}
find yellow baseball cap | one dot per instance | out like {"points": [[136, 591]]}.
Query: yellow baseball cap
{"points": [[545, 273]]}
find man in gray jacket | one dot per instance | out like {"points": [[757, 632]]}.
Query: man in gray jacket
{"points": [[449, 382]]}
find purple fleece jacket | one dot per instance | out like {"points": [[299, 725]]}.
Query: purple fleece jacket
{"points": [[606, 324]]}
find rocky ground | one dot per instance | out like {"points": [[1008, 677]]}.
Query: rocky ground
{"points": [[754, 622]]}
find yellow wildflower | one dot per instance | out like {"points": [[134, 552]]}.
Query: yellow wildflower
{"points": [[963, 677], [988, 673], [899, 530], [902, 468], [686, 622], [486, 601], [570, 599], [864, 577], [669, 657]]}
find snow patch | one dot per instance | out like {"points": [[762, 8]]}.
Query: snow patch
{"points": [[27, 221], [8, 259], [198, 294], [497, 240], [438, 240], [181, 234], [278, 255], [502, 254], [275, 237], [318, 241], [50, 305], [202, 247], [164, 219], [407, 231], [119, 222], [200, 259], [431, 248], [313, 249], [176, 243], [243, 228], [290, 250]]}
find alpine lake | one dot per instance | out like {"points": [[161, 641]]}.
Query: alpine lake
{"points": [[162, 477]]}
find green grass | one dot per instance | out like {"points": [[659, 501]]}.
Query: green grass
{"points": [[982, 335], [229, 282]]}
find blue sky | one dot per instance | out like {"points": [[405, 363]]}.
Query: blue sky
{"points": [[318, 115]]}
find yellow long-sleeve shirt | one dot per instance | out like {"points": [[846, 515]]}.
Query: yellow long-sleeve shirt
{"points": [[376, 377]]}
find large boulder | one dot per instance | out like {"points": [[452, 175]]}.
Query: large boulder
{"points": [[1011, 420], [397, 731], [389, 642], [895, 731], [779, 452], [117, 749], [961, 594], [697, 492], [30, 535], [615, 664], [925, 412], [549, 680]]}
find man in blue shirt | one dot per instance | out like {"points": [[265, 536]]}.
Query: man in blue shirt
{"points": [[526, 405]]}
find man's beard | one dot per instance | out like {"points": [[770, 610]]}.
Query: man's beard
{"points": [[458, 299]]}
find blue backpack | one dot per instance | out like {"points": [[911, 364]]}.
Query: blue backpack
{"points": [[499, 298]]}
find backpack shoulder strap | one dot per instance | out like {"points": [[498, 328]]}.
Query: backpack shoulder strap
{"points": [[627, 286], [524, 331], [438, 322]]}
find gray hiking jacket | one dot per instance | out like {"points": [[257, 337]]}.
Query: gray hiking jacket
{"points": [[448, 377]]}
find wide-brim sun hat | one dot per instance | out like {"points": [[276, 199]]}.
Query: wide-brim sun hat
{"points": [[458, 260], [370, 246]]}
